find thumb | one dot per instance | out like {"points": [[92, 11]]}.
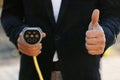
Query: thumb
{"points": [[95, 18], [43, 35]]}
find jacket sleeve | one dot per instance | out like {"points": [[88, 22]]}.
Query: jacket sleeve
{"points": [[110, 19], [12, 19]]}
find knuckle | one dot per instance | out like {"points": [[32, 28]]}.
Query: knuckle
{"points": [[87, 46], [18, 45], [101, 47], [88, 33], [40, 44], [87, 42], [91, 52], [40, 48], [86, 39], [40, 52], [104, 40], [100, 51]]}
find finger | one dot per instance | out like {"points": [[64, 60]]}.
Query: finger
{"points": [[36, 53], [91, 47], [31, 52], [43, 35], [22, 45], [35, 47], [20, 35], [96, 52], [38, 46], [92, 41], [20, 41], [98, 41], [28, 48], [94, 34], [95, 47], [95, 18], [22, 51]]}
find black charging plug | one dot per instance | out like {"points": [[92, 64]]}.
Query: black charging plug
{"points": [[32, 35]]}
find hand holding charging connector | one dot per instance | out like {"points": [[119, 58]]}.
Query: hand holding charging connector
{"points": [[29, 41], [29, 44]]}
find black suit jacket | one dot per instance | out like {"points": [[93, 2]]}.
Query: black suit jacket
{"points": [[67, 36]]}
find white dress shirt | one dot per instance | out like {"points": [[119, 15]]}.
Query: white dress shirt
{"points": [[56, 8]]}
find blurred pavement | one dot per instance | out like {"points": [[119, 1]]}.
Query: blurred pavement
{"points": [[110, 69], [9, 69]]}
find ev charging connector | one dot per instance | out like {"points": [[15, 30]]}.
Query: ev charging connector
{"points": [[32, 36]]}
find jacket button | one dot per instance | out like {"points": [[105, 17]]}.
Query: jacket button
{"points": [[57, 37]]}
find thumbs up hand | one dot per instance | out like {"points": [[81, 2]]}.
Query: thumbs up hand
{"points": [[95, 37]]}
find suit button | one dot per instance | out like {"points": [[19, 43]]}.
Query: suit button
{"points": [[57, 37]]}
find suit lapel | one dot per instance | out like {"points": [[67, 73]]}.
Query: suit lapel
{"points": [[49, 8], [62, 10]]}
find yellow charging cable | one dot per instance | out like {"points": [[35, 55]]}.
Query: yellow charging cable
{"points": [[37, 68], [38, 31]]}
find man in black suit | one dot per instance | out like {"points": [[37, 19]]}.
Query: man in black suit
{"points": [[79, 40]]}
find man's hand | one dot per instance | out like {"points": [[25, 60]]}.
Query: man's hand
{"points": [[95, 37], [30, 50]]}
